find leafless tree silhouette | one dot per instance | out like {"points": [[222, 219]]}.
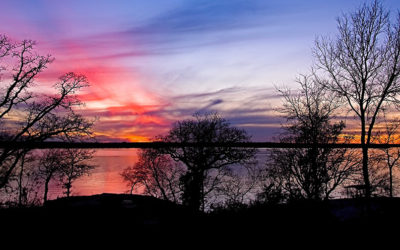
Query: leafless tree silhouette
{"points": [[390, 157], [157, 173], [27, 116], [50, 165], [313, 172], [201, 159], [26, 181], [239, 185], [74, 165], [361, 66]]}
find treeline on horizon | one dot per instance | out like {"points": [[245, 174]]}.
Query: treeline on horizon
{"points": [[162, 144], [355, 72]]}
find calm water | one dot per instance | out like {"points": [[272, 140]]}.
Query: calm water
{"points": [[105, 178]]}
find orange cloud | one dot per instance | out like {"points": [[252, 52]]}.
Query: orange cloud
{"points": [[117, 94]]}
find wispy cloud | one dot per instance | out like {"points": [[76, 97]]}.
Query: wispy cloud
{"points": [[196, 24], [242, 107], [150, 70], [205, 16]]}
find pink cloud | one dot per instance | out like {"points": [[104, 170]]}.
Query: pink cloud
{"points": [[117, 94]]}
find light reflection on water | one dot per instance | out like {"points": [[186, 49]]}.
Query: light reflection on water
{"points": [[105, 178]]}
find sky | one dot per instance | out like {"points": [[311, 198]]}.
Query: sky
{"points": [[151, 63]]}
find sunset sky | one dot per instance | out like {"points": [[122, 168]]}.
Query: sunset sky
{"points": [[153, 62]]}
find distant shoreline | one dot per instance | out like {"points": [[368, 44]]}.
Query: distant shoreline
{"points": [[111, 145]]}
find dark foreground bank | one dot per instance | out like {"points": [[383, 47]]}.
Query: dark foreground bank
{"points": [[111, 215]]}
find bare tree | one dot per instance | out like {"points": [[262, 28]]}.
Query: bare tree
{"points": [[135, 177], [32, 117], [378, 175], [23, 187], [390, 156], [361, 66], [50, 166], [200, 159], [239, 185], [157, 173], [26, 181], [74, 166], [313, 172]]}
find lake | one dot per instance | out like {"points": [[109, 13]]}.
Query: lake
{"points": [[105, 178]]}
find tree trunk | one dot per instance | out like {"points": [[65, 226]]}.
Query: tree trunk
{"points": [[46, 188], [367, 183], [390, 182], [68, 187], [21, 173], [131, 192], [202, 193], [159, 185], [364, 145], [192, 196]]}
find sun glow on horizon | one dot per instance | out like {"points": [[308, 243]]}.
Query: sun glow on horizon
{"points": [[151, 63]]}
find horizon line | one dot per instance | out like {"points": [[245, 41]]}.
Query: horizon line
{"points": [[159, 144]]}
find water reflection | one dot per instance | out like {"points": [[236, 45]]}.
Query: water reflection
{"points": [[105, 178]]}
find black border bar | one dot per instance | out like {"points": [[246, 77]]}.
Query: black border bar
{"points": [[110, 145]]}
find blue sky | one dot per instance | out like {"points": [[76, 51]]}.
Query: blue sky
{"points": [[151, 63]]}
